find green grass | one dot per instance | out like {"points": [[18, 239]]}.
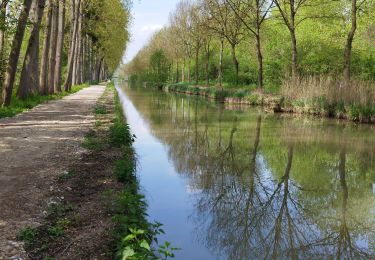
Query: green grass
{"points": [[28, 235], [18, 106], [57, 224], [98, 123], [92, 142], [100, 110]]}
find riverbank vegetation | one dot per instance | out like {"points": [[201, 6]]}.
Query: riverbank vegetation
{"points": [[48, 46], [316, 57]]}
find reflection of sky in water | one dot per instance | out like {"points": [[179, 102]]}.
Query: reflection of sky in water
{"points": [[165, 190], [181, 202]]}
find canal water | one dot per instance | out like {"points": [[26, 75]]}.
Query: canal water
{"points": [[231, 182]]}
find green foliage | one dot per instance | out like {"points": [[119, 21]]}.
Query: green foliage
{"points": [[167, 250], [241, 93], [92, 142], [100, 110], [123, 169], [98, 123], [159, 66], [58, 229], [27, 235]]}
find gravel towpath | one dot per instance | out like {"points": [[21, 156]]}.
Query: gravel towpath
{"points": [[35, 148]]}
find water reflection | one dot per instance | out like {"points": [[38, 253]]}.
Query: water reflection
{"points": [[268, 186]]}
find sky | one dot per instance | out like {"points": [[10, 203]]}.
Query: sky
{"points": [[148, 17]]}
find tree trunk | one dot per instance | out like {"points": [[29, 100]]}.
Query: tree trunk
{"points": [[69, 76], [15, 53], [183, 71], [189, 73], [52, 47], [349, 42], [220, 76], [294, 54], [46, 42], [207, 65], [260, 60], [197, 66], [77, 44], [3, 14], [90, 52], [177, 71], [99, 68], [29, 81], [59, 46], [235, 61]]}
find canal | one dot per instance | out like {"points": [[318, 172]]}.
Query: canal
{"points": [[231, 182]]}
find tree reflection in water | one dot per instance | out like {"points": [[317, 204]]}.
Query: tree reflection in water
{"points": [[265, 188]]}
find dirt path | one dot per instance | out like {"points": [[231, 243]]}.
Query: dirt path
{"points": [[36, 147]]}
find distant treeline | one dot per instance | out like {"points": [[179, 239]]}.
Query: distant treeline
{"points": [[262, 43], [50, 45]]}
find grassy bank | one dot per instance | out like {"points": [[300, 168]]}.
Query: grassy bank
{"points": [[325, 98], [95, 209], [18, 106]]}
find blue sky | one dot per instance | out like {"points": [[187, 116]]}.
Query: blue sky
{"points": [[148, 17]]}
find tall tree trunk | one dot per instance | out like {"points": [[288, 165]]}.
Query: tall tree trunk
{"points": [[220, 76], [90, 59], [46, 42], [79, 49], [99, 69], [15, 53], [81, 54], [349, 42], [197, 66], [29, 81], [207, 65], [52, 47], [294, 54], [3, 13], [69, 77], [183, 71], [177, 71], [235, 61], [189, 73], [59, 46], [292, 30], [77, 44], [260, 60]]}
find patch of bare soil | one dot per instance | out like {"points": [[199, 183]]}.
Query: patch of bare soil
{"points": [[79, 208], [36, 147]]}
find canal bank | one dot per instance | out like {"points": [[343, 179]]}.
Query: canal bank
{"points": [[318, 107]]}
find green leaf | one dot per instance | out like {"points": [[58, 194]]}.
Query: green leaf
{"points": [[128, 252], [144, 244], [129, 237]]}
